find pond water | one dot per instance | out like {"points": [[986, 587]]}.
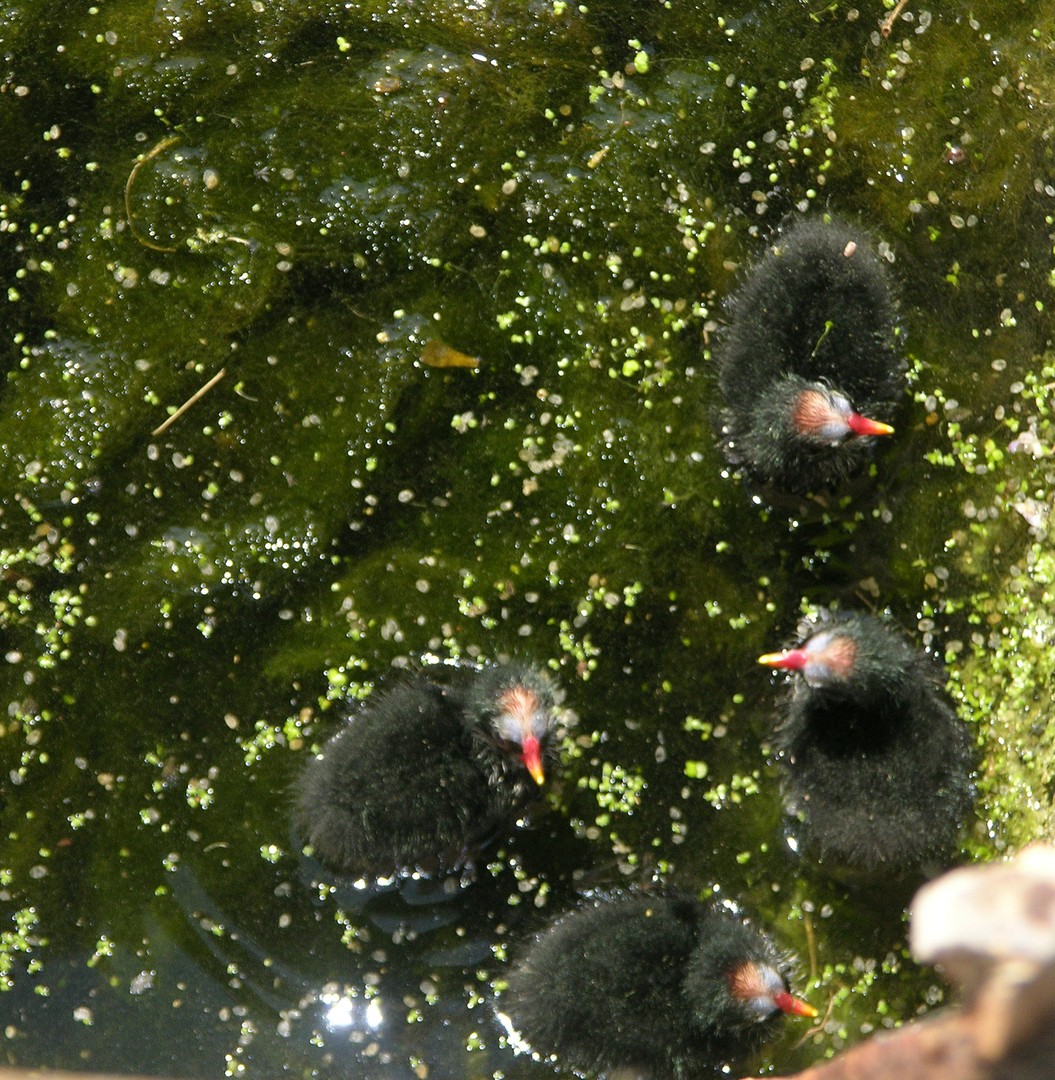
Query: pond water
{"points": [[304, 196]]}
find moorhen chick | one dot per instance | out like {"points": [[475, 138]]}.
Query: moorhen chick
{"points": [[429, 769], [878, 765], [665, 984], [809, 349]]}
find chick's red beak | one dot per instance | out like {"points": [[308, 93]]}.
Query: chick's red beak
{"points": [[531, 755], [861, 425], [792, 660], [793, 1006]]}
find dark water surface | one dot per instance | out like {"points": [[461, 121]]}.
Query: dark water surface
{"points": [[304, 195]]}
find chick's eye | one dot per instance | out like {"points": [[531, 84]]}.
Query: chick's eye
{"points": [[761, 1008], [507, 731]]}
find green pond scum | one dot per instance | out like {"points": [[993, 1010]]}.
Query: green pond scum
{"points": [[314, 216]]}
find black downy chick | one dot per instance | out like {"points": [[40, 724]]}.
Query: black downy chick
{"points": [[426, 771], [668, 985], [807, 367], [878, 766]]}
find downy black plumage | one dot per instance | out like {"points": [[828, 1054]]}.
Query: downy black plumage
{"points": [[877, 764], [808, 367], [428, 769], [668, 985]]}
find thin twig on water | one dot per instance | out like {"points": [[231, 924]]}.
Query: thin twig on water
{"points": [[152, 153], [888, 23], [197, 395]]}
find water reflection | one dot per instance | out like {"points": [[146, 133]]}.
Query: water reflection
{"points": [[360, 979]]}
